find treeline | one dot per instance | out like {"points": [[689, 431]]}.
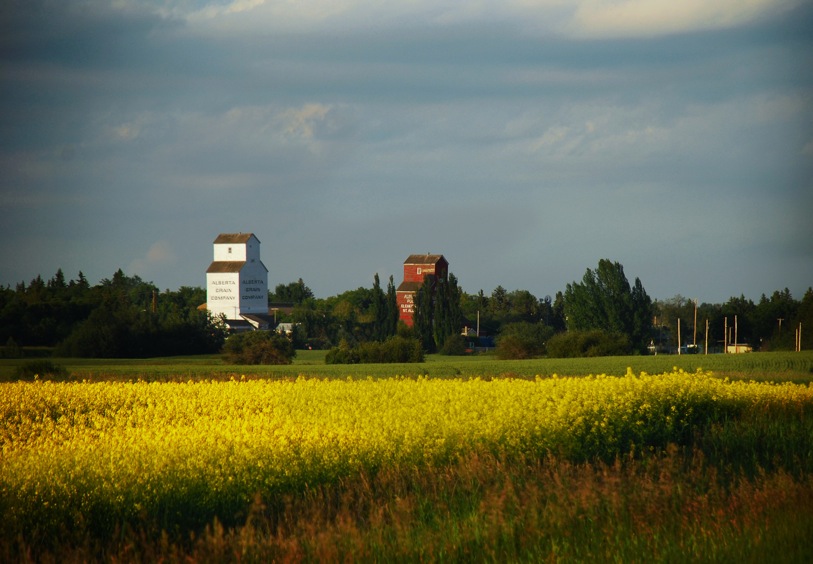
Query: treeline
{"points": [[121, 317], [769, 324], [602, 314]]}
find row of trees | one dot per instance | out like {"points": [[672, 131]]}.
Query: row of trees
{"points": [[768, 324], [120, 317], [125, 316], [604, 313]]}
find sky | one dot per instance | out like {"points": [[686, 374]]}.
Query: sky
{"points": [[524, 140]]}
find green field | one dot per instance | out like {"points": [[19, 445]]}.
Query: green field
{"points": [[455, 459], [797, 366]]}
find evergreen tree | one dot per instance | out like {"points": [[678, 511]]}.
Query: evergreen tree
{"points": [[378, 310], [424, 312], [448, 318], [438, 313], [392, 309]]}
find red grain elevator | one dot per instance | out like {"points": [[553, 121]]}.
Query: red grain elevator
{"points": [[416, 269]]}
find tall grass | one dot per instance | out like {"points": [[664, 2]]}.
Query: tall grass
{"points": [[671, 506]]}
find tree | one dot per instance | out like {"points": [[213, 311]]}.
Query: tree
{"points": [[293, 293], [258, 347], [379, 311], [740, 315], [422, 322], [392, 308], [772, 321], [498, 304], [558, 313], [605, 301], [804, 317], [317, 322], [595, 342], [523, 306], [523, 339], [448, 317], [438, 313]]}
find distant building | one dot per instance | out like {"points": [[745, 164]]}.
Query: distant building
{"points": [[416, 269], [237, 282]]}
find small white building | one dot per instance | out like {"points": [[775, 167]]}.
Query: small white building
{"points": [[237, 282]]}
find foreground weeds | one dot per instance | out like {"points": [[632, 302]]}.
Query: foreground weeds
{"points": [[672, 506]]}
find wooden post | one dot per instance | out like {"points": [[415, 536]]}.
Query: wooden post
{"points": [[694, 337], [706, 350], [799, 338], [736, 339], [725, 336], [678, 335]]}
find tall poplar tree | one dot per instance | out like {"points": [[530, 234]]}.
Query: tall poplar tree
{"points": [[424, 313], [438, 313], [378, 308], [392, 308], [448, 318], [605, 300]]}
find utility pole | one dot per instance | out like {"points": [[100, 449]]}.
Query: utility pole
{"points": [[694, 338], [706, 350], [725, 336], [736, 342], [779, 334], [678, 335], [799, 338]]}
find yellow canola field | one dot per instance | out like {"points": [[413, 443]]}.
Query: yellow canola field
{"points": [[118, 449]]}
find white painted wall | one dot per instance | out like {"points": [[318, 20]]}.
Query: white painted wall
{"points": [[230, 252], [223, 294], [254, 288]]}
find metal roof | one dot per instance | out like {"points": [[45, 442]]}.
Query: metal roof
{"points": [[223, 266], [409, 287], [234, 238], [425, 259]]}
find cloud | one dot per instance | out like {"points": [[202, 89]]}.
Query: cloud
{"points": [[329, 127], [651, 18], [575, 18], [159, 255]]}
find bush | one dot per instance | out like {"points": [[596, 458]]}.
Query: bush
{"points": [[401, 349], [41, 369], [12, 349], [343, 354], [258, 347], [523, 340], [573, 344], [394, 349], [454, 345]]}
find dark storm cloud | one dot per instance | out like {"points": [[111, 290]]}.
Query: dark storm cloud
{"points": [[133, 135]]}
